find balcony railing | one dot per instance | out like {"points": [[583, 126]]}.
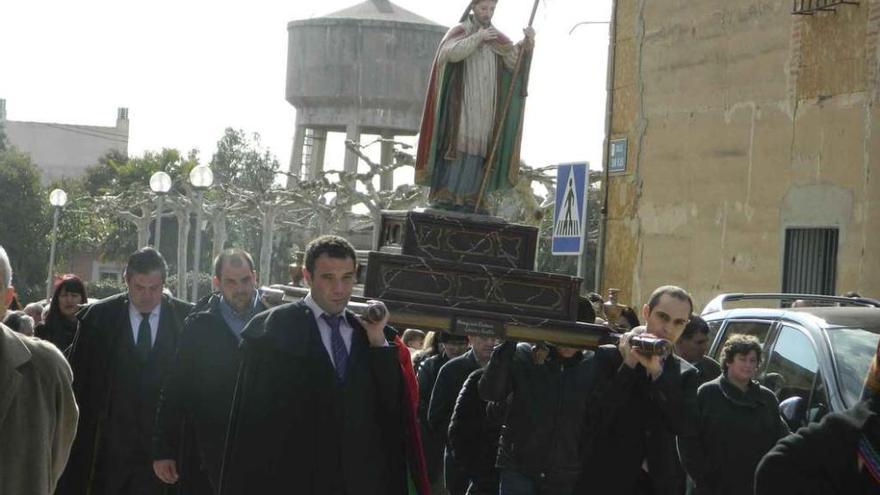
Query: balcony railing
{"points": [[810, 7]]}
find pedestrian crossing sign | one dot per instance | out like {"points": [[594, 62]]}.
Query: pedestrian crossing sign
{"points": [[570, 213]]}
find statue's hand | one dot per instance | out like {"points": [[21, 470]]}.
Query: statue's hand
{"points": [[529, 40], [488, 34]]}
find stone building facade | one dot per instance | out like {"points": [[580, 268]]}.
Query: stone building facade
{"points": [[752, 148]]}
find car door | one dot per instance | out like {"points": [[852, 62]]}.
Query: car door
{"points": [[791, 370]]}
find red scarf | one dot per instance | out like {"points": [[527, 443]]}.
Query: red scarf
{"points": [[416, 466]]}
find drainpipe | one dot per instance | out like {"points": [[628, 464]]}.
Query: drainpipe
{"points": [[606, 153]]}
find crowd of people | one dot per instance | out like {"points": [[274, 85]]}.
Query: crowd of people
{"points": [[141, 392]]}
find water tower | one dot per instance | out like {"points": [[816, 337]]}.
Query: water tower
{"points": [[362, 70]]}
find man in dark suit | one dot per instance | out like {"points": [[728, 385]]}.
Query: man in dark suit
{"points": [[638, 404], [447, 388], [319, 405], [202, 380], [451, 346], [123, 347], [692, 347]]}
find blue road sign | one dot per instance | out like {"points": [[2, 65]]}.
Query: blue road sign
{"points": [[570, 214]]}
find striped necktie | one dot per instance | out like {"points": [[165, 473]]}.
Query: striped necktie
{"points": [[337, 345]]}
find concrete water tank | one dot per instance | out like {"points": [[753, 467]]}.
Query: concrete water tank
{"points": [[362, 70]]}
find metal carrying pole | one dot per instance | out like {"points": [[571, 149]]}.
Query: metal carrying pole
{"points": [[425, 317], [505, 109]]}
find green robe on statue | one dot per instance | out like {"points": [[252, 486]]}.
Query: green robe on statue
{"points": [[469, 83]]}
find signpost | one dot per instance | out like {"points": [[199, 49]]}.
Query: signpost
{"points": [[570, 213], [617, 163]]}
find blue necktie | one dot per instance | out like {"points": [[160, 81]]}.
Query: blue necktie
{"points": [[337, 345]]}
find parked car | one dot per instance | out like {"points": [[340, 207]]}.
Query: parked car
{"points": [[814, 358]]}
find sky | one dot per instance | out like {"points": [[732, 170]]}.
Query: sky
{"points": [[188, 69]]}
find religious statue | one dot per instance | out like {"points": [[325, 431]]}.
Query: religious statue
{"points": [[472, 122]]}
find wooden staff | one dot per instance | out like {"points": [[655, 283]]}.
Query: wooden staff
{"points": [[505, 109]]}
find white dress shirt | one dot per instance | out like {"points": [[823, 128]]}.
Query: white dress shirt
{"points": [[325, 330], [134, 316]]}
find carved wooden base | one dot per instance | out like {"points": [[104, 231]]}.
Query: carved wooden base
{"points": [[462, 238], [467, 285]]}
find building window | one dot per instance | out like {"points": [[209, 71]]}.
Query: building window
{"points": [[810, 265]]}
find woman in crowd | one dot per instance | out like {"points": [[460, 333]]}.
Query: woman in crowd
{"points": [[59, 327], [738, 422], [430, 347]]}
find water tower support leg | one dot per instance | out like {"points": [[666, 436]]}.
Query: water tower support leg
{"points": [[352, 133], [320, 145], [386, 183], [296, 154]]}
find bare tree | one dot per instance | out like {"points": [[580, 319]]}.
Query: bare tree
{"points": [[134, 207], [404, 197]]}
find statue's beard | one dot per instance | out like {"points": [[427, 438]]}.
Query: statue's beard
{"points": [[483, 21]]}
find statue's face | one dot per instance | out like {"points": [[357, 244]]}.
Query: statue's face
{"points": [[484, 10]]}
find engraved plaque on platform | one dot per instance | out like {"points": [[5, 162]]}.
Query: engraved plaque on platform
{"points": [[471, 286], [459, 237], [477, 327]]}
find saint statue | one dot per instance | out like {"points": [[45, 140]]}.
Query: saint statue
{"points": [[466, 122]]}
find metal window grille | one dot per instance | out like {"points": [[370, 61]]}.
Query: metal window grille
{"points": [[810, 265], [810, 7]]}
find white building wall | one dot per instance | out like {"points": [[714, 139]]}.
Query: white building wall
{"points": [[66, 150]]}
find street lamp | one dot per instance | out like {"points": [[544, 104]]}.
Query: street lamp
{"points": [[57, 198], [585, 23], [201, 178], [160, 183]]}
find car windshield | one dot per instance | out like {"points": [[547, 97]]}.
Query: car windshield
{"points": [[853, 350]]}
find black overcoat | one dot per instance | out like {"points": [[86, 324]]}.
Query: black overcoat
{"points": [[59, 331], [473, 435], [734, 431], [98, 361], [296, 429], [708, 369], [432, 443], [822, 458], [447, 386], [633, 420], [199, 387], [543, 434]]}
